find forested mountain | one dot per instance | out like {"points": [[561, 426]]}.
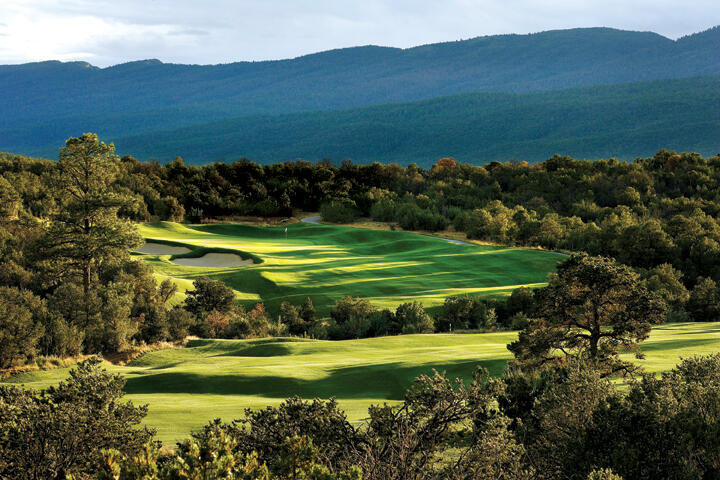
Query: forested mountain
{"points": [[624, 121], [44, 103]]}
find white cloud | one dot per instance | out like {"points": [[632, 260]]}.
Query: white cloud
{"points": [[106, 32]]}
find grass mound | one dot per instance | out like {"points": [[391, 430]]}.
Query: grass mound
{"points": [[186, 387]]}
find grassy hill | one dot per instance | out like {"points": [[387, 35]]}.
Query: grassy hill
{"points": [[625, 121], [327, 263], [219, 378], [45, 103]]}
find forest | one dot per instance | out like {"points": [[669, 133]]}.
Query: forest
{"points": [[592, 122], [645, 244], [64, 239]]}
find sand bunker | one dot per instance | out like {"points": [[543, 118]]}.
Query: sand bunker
{"points": [[151, 248], [214, 260]]}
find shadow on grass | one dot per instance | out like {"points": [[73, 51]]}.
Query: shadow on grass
{"points": [[679, 344], [386, 381]]}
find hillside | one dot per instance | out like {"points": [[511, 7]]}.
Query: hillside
{"points": [[624, 121], [44, 103]]}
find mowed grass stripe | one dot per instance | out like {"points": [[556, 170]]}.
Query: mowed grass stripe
{"points": [[328, 262], [186, 387]]}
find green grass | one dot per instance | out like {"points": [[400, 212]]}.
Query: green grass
{"points": [[186, 387], [328, 262]]}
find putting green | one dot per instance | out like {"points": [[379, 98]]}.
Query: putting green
{"points": [[186, 387], [327, 262]]}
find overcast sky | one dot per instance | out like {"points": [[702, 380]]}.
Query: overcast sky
{"points": [[106, 32]]}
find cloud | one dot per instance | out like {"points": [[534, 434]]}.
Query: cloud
{"points": [[107, 32]]}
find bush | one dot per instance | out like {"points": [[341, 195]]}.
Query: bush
{"points": [[412, 318], [59, 432], [217, 324], [350, 307], [521, 300], [290, 317], [179, 322], [383, 211], [209, 295], [704, 302], [19, 331], [463, 312], [339, 210], [518, 321]]}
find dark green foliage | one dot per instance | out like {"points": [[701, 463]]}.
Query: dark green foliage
{"points": [[339, 210], [20, 326], [704, 302], [86, 230], [663, 428], [10, 200], [179, 322], [148, 97], [591, 122], [590, 310], [521, 300], [61, 430], [264, 431], [349, 308], [209, 295], [307, 311], [289, 316], [214, 455], [195, 215], [666, 281], [464, 312], [412, 318]]}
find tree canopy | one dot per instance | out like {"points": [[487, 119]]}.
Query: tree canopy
{"points": [[592, 309]]}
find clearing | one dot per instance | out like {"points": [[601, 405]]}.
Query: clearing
{"points": [[327, 262]]}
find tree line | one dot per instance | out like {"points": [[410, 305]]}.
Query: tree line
{"points": [[68, 285]]}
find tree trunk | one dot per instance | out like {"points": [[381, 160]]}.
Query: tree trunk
{"points": [[86, 277]]}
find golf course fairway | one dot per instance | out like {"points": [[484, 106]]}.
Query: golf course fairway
{"points": [[186, 387], [327, 262]]}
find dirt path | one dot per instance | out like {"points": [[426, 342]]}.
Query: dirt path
{"points": [[314, 220]]}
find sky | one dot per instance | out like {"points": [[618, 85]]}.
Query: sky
{"points": [[109, 32]]}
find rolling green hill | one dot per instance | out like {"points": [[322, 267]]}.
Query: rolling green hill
{"points": [[45, 103], [187, 387], [327, 263], [624, 121]]}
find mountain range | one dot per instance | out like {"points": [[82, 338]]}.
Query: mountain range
{"points": [[580, 91]]}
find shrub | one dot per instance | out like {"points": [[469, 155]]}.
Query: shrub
{"points": [[349, 307], [60, 431], [339, 210], [218, 324], [463, 312], [412, 318]]}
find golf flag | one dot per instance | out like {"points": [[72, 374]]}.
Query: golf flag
{"points": [[285, 229]]}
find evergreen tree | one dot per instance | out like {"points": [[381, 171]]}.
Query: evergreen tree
{"points": [[307, 311], [591, 309], [86, 231]]}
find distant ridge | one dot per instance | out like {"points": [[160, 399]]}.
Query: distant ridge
{"points": [[44, 103], [625, 121]]}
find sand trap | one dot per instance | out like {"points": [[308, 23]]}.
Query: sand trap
{"points": [[214, 260], [152, 248]]}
